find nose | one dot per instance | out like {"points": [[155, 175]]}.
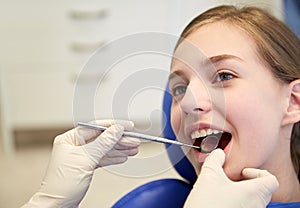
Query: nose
{"points": [[197, 99]]}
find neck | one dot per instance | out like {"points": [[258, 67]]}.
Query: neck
{"points": [[282, 167], [289, 188]]}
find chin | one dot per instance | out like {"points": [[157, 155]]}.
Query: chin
{"points": [[196, 165], [233, 175]]}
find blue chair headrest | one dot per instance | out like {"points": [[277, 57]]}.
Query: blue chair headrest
{"points": [[175, 153], [161, 193]]}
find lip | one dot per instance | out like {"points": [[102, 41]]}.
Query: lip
{"points": [[228, 147], [200, 156], [201, 126]]}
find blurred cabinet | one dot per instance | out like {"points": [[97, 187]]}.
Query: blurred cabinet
{"points": [[46, 44]]}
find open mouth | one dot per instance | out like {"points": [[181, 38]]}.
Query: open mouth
{"points": [[224, 139]]}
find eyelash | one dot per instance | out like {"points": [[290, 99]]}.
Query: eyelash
{"points": [[180, 88], [218, 78]]}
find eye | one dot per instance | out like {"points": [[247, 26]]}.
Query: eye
{"points": [[223, 76], [179, 90]]}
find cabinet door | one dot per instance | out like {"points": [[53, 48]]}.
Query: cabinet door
{"points": [[40, 99]]}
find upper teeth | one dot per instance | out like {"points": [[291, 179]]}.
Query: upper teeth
{"points": [[204, 133]]}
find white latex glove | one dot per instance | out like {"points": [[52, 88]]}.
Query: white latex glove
{"points": [[213, 189], [75, 156]]}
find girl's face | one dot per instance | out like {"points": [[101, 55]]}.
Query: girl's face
{"points": [[238, 97]]}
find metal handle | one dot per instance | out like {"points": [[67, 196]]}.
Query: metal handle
{"points": [[88, 14], [78, 46]]}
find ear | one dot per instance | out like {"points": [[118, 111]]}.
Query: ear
{"points": [[293, 112]]}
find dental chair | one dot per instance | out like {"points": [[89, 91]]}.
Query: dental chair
{"points": [[169, 192]]}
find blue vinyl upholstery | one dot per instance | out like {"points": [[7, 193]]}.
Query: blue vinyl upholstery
{"points": [[164, 193], [292, 15]]}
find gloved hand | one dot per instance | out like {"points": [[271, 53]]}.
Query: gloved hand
{"points": [[75, 156], [214, 189]]}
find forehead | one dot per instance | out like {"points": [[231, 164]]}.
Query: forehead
{"points": [[215, 39]]}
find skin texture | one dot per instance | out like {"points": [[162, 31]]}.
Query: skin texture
{"points": [[235, 93]]}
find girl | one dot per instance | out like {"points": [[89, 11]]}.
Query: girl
{"points": [[244, 86]]}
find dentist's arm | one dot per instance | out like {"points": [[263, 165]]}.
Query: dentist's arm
{"points": [[214, 189], [75, 156]]}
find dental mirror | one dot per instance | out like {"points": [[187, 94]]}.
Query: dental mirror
{"points": [[209, 143]]}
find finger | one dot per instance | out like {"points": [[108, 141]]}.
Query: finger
{"points": [[68, 137], [212, 172], [107, 139], [214, 161], [127, 143], [104, 142], [212, 169], [251, 173], [85, 135], [119, 153], [131, 152], [111, 161], [262, 177]]}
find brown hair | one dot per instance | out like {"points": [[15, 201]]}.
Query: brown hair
{"points": [[276, 44]]}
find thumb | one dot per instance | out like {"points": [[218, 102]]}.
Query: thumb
{"points": [[262, 178], [208, 181], [212, 171], [214, 162]]}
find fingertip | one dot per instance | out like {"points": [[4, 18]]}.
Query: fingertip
{"points": [[263, 176], [251, 173], [219, 152], [128, 125], [133, 152], [216, 155], [131, 124], [82, 135], [214, 163], [274, 182], [120, 160]]}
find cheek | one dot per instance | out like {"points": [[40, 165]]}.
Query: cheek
{"points": [[255, 129], [175, 118], [256, 116]]}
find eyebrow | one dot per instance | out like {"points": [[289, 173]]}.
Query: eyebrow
{"points": [[222, 57], [176, 74], [214, 60]]}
